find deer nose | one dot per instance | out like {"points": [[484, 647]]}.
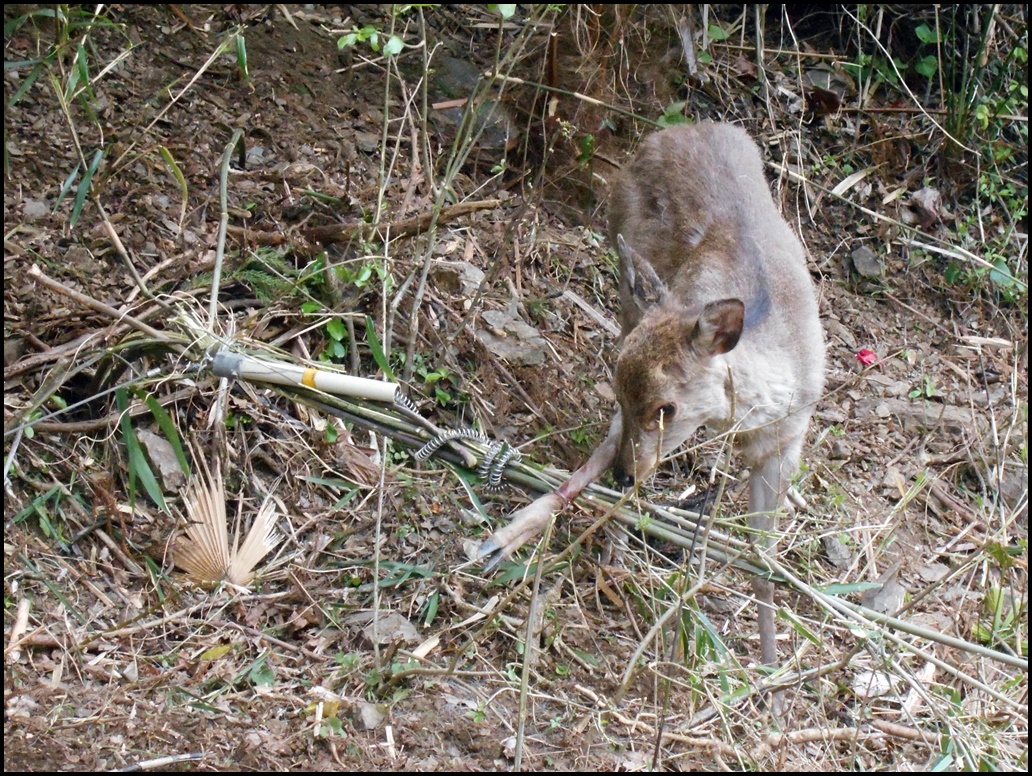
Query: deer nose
{"points": [[623, 478]]}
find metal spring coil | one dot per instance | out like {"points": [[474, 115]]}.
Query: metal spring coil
{"points": [[435, 444], [492, 465], [404, 401]]}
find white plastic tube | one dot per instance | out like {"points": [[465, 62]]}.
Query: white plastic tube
{"points": [[229, 364]]}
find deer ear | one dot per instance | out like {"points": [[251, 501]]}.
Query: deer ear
{"points": [[719, 326], [638, 280]]}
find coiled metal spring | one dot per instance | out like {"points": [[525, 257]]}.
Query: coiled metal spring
{"points": [[404, 401], [492, 464], [444, 437]]}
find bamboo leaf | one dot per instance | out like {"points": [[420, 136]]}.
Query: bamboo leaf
{"points": [[26, 83], [67, 185]]}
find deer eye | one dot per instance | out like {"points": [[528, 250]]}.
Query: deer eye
{"points": [[666, 413]]}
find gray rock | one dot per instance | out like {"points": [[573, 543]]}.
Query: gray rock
{"points": [[163, 461], [867, 263], [511, 338]]}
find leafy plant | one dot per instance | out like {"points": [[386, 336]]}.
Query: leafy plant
{"points": [[439, 380], [674, 114], [1003, 621], [926, 390], [371, 36]]}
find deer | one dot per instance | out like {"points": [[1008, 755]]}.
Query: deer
{"points": [[719, 329]]}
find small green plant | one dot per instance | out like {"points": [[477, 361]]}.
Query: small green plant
{"points": [[1002, 622], [45, 507], [927, 65], [479, 714], [926, 390], [587, 149], [581, 435], [439, 380], [371, 36], [875, 70], [673, 115]]}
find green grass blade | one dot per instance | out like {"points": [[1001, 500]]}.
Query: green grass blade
{"points": [[177, 173], [84, 188], [377, 350], [168, 428], [139, 467], [67, 185], [241, 53], [27, 83]]}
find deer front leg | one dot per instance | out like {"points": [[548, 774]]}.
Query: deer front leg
{"points": [[530, 522], [768, 485]]}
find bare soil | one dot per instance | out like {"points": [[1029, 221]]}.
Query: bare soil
{"points": [[915, 475]]}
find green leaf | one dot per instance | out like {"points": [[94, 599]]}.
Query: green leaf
{"points": [[84, 188], [336, 329], [67, 185], [798, 626], [1001, 275], [168, 428], [393, 46], [432, 605], [841, 589], [926, 34], [177, 173], [26, 84], [377, 350], [716, 33], [674, 114], [139, 467], [261, 673], [82, 65], [241, 54], [927, 66], [216, 652], [506, 11]]}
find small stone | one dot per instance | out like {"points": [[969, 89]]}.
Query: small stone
{"points": [[867, 263], [34, 209], [839, 451], [163, 460]]}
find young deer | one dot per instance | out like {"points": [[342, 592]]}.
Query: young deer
{"points": [[720, 329]]}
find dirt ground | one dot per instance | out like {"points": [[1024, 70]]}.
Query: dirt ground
{"points": [[499, 314]]}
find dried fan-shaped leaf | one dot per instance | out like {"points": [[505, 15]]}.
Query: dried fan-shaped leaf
{"points": [[203, 550], [259, 542]]}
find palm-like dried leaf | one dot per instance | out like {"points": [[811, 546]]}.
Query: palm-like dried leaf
{"points": [[203, 550], [261, 539]]}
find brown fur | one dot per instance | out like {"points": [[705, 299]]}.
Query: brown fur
{"points": [[720, 327]]}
